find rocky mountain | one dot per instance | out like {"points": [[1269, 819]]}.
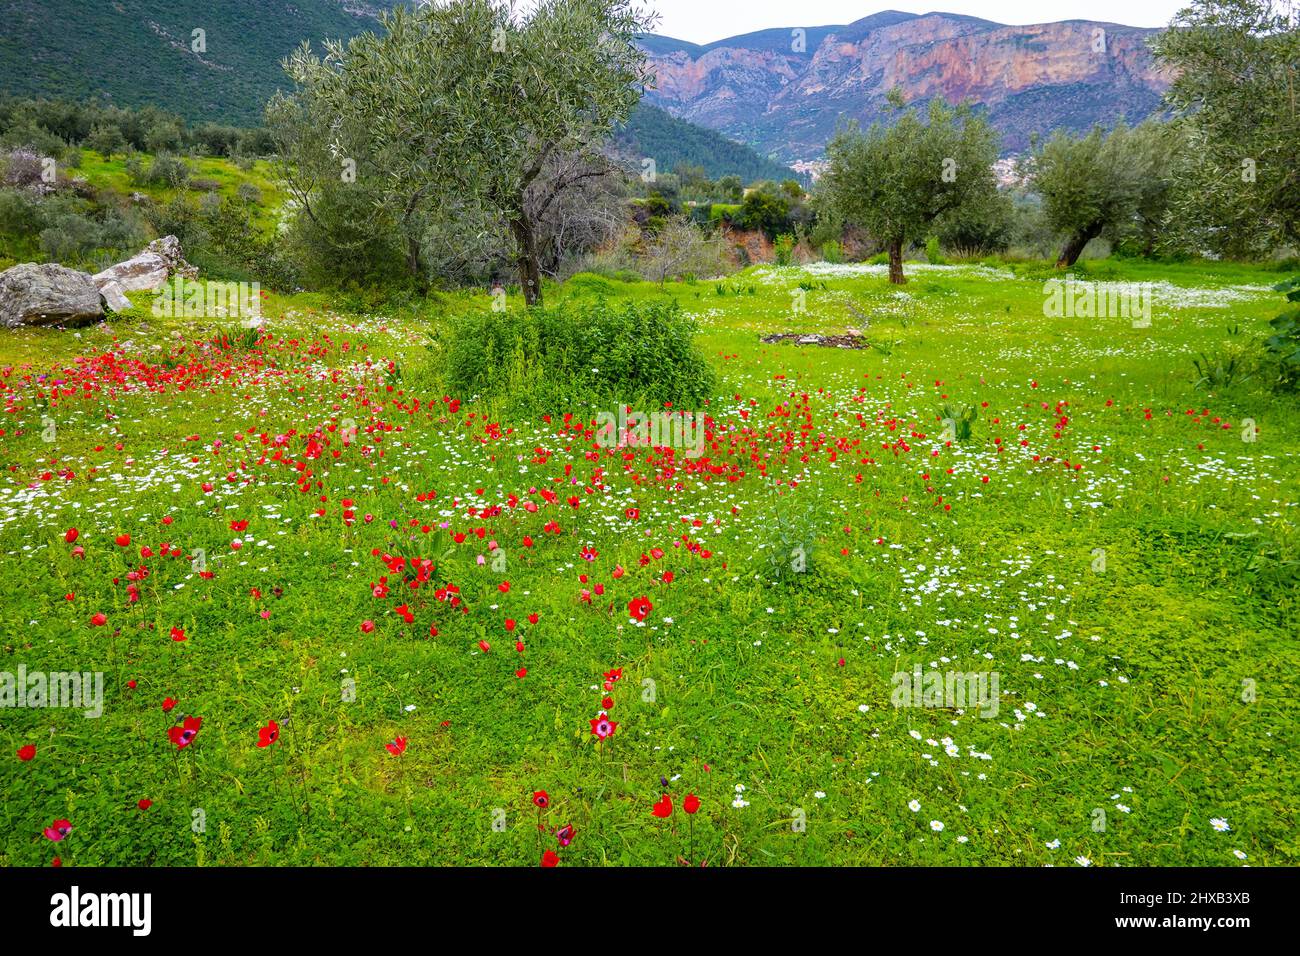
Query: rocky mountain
{"points": [[784, 91]]}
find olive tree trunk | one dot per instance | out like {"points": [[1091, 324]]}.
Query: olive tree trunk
{"points": [[896, 262]]}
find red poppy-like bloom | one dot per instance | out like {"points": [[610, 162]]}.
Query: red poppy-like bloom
{"points": [[123, 540], [367, 627], [541, 799], [603, 727], [639, 607], [691, 803], [145, 803], [397, 747], [168, 704], [268, 735], [57, 830], [607, 703], [550, 858], [71, 535], [521, 673], [99, 619], [27, 752], [184, 735], [664, 807], [565, 834], [178, 634], [484, 646]]}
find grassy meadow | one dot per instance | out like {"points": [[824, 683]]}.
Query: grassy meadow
{"points": [[430, 593]]}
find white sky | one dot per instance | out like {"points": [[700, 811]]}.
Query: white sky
{"points": [[703, 21]]}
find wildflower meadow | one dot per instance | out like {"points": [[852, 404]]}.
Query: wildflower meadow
{"points": [[996, 583]]}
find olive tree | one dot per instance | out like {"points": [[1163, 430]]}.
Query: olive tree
{"points": [[468, 104], [1236, 69], [1112, 184], [897, 181]]}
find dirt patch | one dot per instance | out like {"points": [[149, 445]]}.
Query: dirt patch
{"points": [[849, 340]]}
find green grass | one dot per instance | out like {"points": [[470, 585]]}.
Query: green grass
{"points": [[774, 681], [110, 175]]}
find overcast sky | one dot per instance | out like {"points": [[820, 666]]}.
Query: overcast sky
{"points": [[703, 21]]}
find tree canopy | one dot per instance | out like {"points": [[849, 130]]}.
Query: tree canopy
{"points": [[468, 105], [1112, 184], [896, 181], [1237, 87]]}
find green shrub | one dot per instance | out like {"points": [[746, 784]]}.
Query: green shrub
{"points": [[1231, 365], [591, 285], [579, 356], [832, 252], [933, 254], [957, 425], [1284, 345], [783, 249]]}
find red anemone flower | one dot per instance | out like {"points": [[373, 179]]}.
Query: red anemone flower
{"points": [[27, 752], [664, 807], [550, 858], [397, 747], [268, 735], [603, 727], [541, 799], [565, 834], [57, 830], [691, 803], [184, 735], [639, 607]]}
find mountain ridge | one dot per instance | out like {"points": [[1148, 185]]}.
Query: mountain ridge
{"points": [[785, 92]]}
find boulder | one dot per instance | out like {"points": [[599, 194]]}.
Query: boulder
{"points": [[169, 247], [148, 270], [151, 269], [47, 294], [114, 297]]}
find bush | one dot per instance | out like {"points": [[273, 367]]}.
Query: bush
{"points": [[165, 170], [580, 355], [933, 254], [783, 249], [1284, 345]]}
